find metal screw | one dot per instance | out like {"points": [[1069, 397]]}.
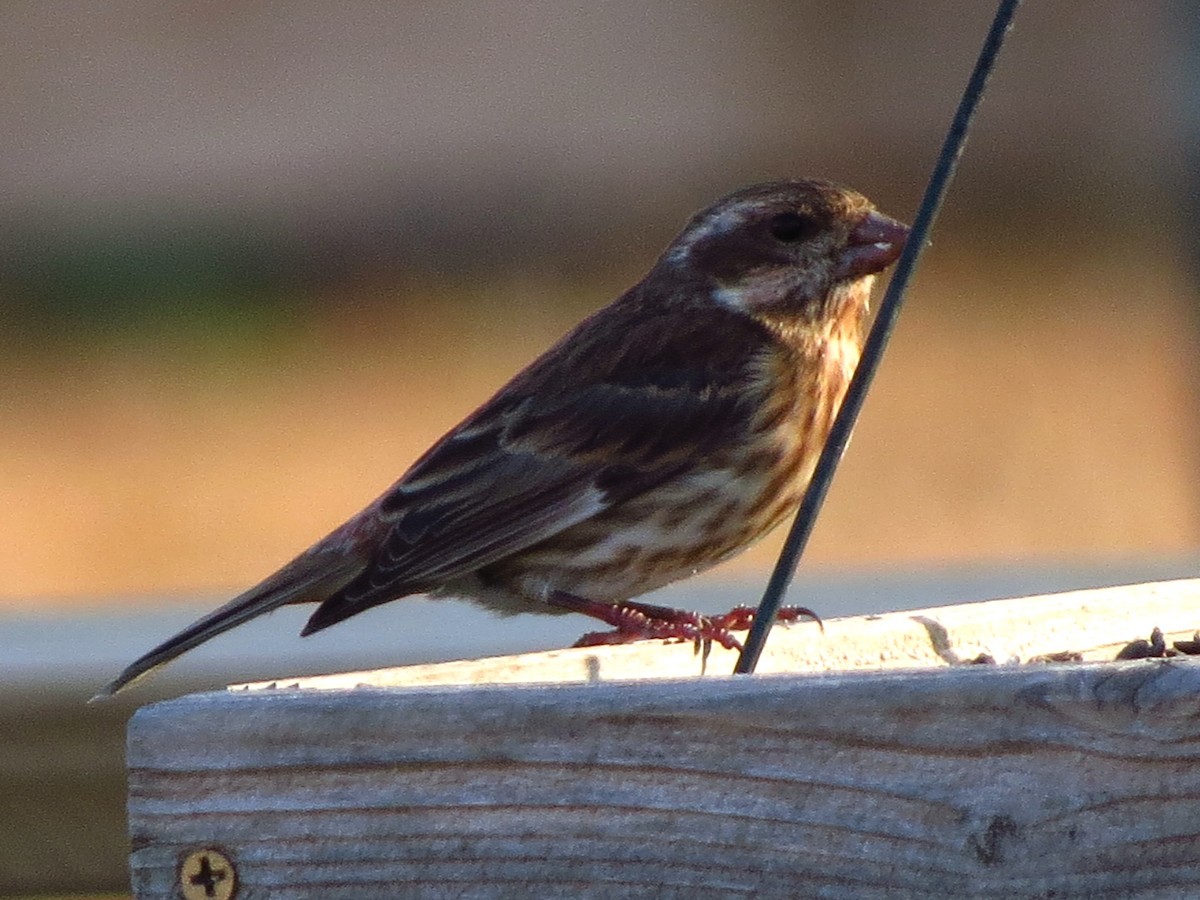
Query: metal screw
{"points": [[207, 875]]}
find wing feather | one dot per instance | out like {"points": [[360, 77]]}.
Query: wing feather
{"points": [[539, 458]]}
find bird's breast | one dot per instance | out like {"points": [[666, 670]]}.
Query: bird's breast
{"points": [[796, 418], [720, 505]]}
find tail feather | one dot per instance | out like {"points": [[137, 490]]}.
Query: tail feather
{"points": [[337, 609], [310, 578]]}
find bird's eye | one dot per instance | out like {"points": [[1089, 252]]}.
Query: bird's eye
{"points": [[792, 228]]}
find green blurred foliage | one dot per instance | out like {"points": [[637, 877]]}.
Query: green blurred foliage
{"points": [[147, 278]]}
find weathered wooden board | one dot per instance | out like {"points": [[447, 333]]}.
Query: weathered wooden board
{"points": [[1076, 780], [988, 781]]}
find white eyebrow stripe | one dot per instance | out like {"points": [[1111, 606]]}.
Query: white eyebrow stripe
{"points": [[724, 222], [733, 298]]}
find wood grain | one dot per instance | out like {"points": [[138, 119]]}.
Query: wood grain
{"points": [[1032, 781], [624, 779]]}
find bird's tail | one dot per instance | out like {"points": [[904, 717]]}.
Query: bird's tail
{"points": [[310, 578]]}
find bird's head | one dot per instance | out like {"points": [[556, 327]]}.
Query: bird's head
{"points": [[788, 249]]}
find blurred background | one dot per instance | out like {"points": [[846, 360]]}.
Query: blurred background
{"points": [[255, 258]]}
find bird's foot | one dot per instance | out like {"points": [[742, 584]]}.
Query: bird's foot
{"points": [[741, 617], [633, 621]]}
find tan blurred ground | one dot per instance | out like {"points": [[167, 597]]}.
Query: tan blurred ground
{"points": [[1020, 414]]}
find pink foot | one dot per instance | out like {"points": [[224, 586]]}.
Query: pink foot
{"points": [[633, 621]]}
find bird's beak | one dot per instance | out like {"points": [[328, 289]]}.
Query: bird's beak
{"points": [[873, 245]]}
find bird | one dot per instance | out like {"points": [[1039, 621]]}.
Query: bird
{"points": [[662, 435]]}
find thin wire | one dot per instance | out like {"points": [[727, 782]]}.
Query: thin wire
{"points": [[885, 321]]}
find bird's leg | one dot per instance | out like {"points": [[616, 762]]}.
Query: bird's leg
{"points": [[634, 621]]}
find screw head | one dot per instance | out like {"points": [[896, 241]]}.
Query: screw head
{"points": [[207, 875]]}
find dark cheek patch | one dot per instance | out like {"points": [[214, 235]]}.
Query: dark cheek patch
{"points": [[730, 257]]}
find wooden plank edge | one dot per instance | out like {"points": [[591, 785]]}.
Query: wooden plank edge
{"points": [[1095, 623]]}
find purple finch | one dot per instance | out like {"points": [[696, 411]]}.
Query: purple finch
{"points": [[662, 435]]}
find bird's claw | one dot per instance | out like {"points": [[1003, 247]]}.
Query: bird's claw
{"points": [[638, 622], [632, 624]]}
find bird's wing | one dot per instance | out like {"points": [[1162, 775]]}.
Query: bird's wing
{"points": [[531, 463]]}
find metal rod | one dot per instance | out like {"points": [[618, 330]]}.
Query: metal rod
{"points": [[885, 320]]}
